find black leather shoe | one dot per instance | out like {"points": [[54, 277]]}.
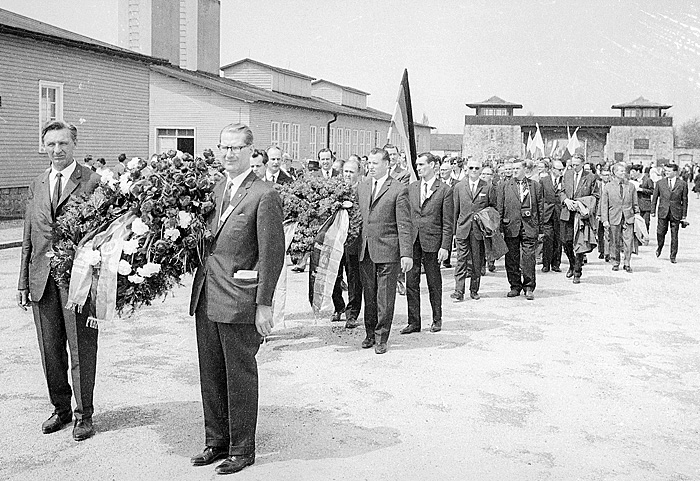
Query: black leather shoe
{"points": [[569, 273], [577, 279], [658, 251], [601, 256], [233, 464], [436, 326], [616, 268], [475, 296], [351, 324], [556, 269], [447, 265], [336, 317], [673, 260], [209, 455], [457, 296], [56, 422], [380, 348], [82, 429], [529, 294], [545, 269], [513, 293], [410, 329], [607, 258], [367, 343], [627, 269]]}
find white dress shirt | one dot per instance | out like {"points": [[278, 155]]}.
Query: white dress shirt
{"points": [[379, 183], [426, 189], [65, 175]]}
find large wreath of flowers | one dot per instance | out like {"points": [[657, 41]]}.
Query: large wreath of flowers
{"points": [[311, 201], [171, 196]]}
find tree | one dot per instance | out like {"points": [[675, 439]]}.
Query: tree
{"points": [[688, 134]]}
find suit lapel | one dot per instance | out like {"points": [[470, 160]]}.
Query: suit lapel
{"points": [[384, 188], [72, 184], [479, 186], [218, 193], [515, 188], [238, 196], [44, 199]]}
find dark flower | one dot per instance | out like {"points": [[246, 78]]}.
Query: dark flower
{"points": [[207, 207], [185, 200], [172, 153], [147, 206], [191, 182], [190, 242]]}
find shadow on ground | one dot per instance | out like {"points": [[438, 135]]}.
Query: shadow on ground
{"points": [[283, 433]]}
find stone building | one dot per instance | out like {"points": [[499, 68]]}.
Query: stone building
{"points": [[643, 133]]}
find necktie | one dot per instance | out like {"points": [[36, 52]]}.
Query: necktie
{"points": [[374, 191], [473, 189], [225, 199], [56, 194], [622, 190], [424, 193]]}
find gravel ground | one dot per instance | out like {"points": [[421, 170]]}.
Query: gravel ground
{"points": [[597, 381]]}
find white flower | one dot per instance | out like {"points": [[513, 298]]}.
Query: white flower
{"points": [[148, 269], [171, 233], [133, 164], [124, 268], [108, 178], [130, 247], [346, 204], [124, 183], [184, 219], [139, 227], [93, 257], [135, 279]]}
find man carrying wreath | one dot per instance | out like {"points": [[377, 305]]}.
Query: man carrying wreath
{"points": [[231, 301]]}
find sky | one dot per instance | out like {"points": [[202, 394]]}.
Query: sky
{"points": [[554, 57]]}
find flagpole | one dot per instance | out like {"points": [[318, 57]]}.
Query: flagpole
{"points": [[411, 134]]}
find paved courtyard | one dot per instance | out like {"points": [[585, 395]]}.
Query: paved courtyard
{"points": [[597, 381]]}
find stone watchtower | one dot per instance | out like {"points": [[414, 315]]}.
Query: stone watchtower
{"points": [[491, 134]]}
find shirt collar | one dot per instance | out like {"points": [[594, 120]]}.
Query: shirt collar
{"points": [[429, 183], [380, 181], [65, 173], [237, 181]]}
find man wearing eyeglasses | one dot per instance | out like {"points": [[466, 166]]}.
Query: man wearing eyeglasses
{"points": [[520, 205], [470, 196], [551, 246], [231, 301], [275, 174]]}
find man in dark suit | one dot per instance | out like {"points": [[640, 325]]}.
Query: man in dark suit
{"points": [[231, 301], [644, 192], [618, 205], [470, 196], [521, 206], [56, 325], [551, 245], [325, 160], [671, 195], [385, 247], [446, 178], [351, 259], [575, 184], [431, 213], [275, 174]]}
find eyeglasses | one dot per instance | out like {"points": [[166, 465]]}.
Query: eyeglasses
{"points": [[473, 168], [236, 149]]}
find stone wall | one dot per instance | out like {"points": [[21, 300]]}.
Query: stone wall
{"points": [[484, 142], [621, 141], [12, 202]]}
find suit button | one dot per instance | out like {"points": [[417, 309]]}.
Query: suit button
{"points": [[211, 253]]}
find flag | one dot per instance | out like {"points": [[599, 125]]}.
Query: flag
{"points": [[554, 148], [402, 123], [538, 144], [528, 149], [573, 143], [329, 247], [566, 155]]}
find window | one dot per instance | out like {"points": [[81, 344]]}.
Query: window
{"points": [[295, 141], [368, 142], [50, 105], [285, 138], [493, 111], [275, 133], [650, 113], [361, 152], [176, 139], [641, 143], [339, 142], [347, 143], [322, 139], [619, 156], [313, 146], [630, 113], [376, 138], [355, 143]]}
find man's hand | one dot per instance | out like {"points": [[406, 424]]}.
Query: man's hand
{"points": [[406, 264], [653, 214], [570, 204], [606, 224], [442, 255], [263, 320], [23, 298]]}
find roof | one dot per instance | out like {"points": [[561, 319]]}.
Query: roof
{"points": [[15, 24], [249, 93], [448, 142], [494, 102], [530, 121], [271, 67], [641, 102], [349, 89]]}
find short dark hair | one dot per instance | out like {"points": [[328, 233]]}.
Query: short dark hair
{"points": [[673, 167], [579, 156], [647, 170], [261, 153], [88, 158], [60, 125], [390, 146], [325, 149], [102, 161], [429, 157], [122, 157], [384, 153]]}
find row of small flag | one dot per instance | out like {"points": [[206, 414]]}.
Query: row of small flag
{"points": [[535, 148]]}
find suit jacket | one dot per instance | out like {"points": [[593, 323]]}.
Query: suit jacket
{"points": [[319, 173], [284, 178], [38, 225], [250, 238], [552, 204], [402, 175], [510, 209], [614, 208], [432, 221], [466, 206], [386, 223], [586, 186], [644, 193], [670, 201]]}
